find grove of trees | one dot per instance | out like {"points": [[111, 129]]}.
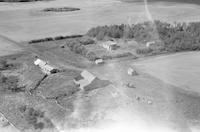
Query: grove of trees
{"points": [[175, 37], [78, 46]]}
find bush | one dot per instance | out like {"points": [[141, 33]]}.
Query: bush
{"points": [[78, 47]]}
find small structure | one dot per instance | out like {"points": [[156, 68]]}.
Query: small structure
{"points": [[148, 44], [40, 63], [132, 72], [45, 67], [84, 79], [99, 61], [110, 45]]}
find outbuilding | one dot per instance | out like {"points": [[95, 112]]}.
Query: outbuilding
{"points": [[110, 45], [99, 61], [40, 63], [132, 72], [45, 67]]}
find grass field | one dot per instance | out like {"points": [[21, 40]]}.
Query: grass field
{"points": [[26, 21], [7, 47], [181, 69]]}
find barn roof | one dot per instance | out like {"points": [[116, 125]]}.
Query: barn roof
{"points": [[40, 62], [48, 67], [88, 76]]}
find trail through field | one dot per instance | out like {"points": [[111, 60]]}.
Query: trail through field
{"points": [[7, 47]]}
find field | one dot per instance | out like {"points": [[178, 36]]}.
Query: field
{"points": [[22, 22], [7, 47], [181, 69], [165, 91]]}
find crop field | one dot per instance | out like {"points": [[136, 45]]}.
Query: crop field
{"points": [[181, 70], [22, 22]]}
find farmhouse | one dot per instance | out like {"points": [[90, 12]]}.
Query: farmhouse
{"points": [[110, 45], [45, 67], [84, 79]]}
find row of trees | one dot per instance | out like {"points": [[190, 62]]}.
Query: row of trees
{"points": [[53, 38], [175, 37], [61, 9], [18, 0]]}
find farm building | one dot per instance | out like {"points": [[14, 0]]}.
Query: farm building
{"points": [[40, 63], [99, 61], [84, 79], [45, 67], [110, 45], [132, 72]]}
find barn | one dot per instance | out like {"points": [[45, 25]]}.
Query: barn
{"points": [[45, 67], [84, 79]]}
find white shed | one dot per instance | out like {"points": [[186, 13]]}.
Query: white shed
{"points": [[40, 62], [99, 61]]}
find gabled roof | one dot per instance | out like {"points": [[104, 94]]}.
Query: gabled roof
{"points": [[48, 68], [88, 76]]}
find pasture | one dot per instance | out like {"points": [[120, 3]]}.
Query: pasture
{"points": [[26, 21], [181, 69], [7, 47]]}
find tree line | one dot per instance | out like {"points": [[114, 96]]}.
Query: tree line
{"points": [[175, 37]]}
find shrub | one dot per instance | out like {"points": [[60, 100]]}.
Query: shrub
{"points": [[78, 47]]}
